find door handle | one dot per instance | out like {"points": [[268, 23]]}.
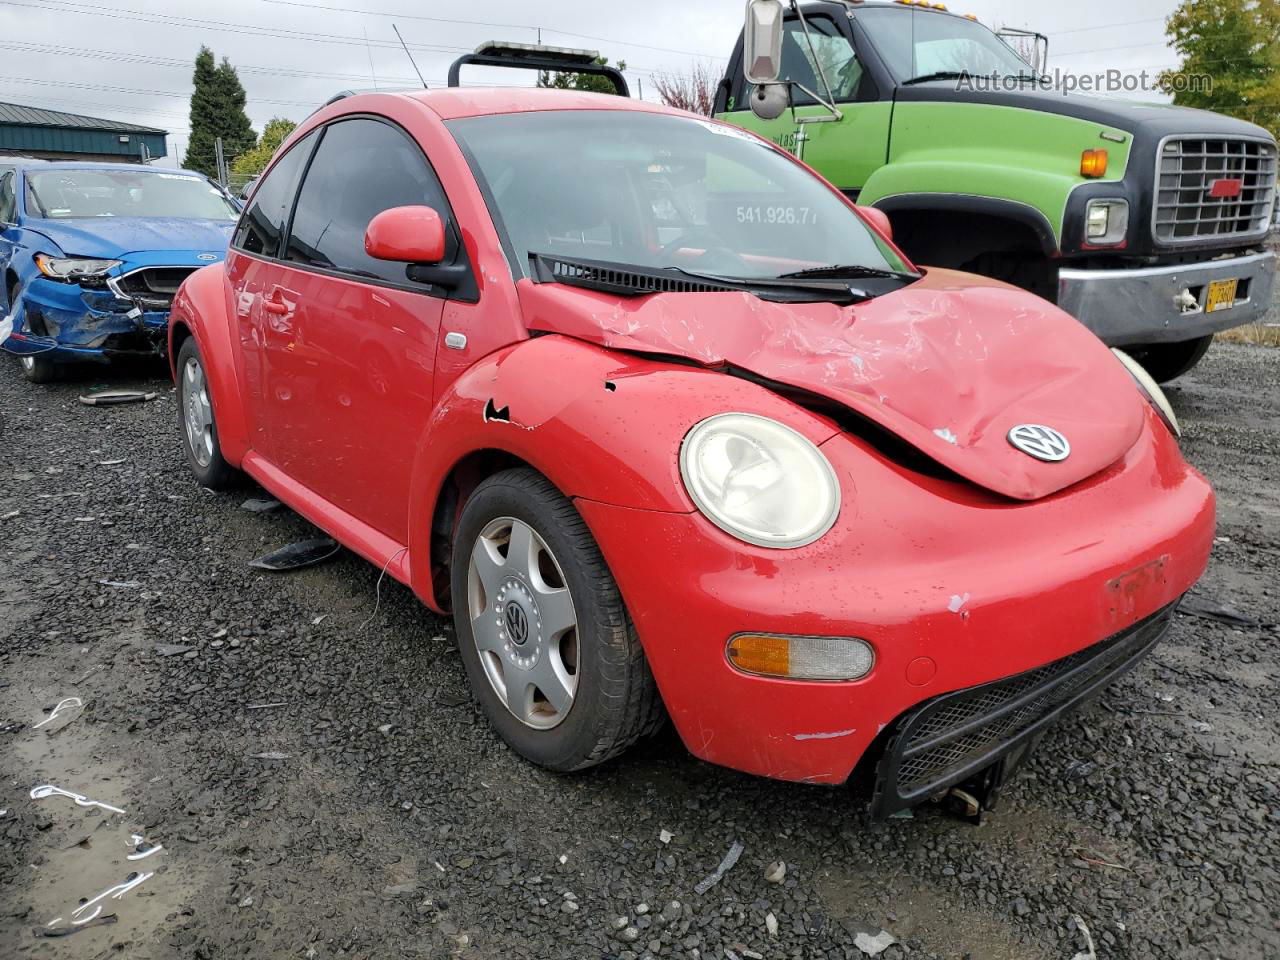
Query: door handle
{"points": [[278, 307]]}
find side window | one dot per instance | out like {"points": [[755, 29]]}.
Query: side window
{"points": [[361, 168], [8, 200], [262, 224], [828, 48], [738, 86]]}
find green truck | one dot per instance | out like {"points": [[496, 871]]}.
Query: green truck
{"points": [[1145, 221]]}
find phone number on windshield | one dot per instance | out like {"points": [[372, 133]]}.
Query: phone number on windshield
{"points": [[789, 215]]}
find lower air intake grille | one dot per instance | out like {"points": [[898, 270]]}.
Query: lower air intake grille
{"points": [[949, 738]]}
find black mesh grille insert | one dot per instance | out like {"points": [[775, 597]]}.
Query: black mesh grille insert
{"points": [[950, 737], [154, 286]]}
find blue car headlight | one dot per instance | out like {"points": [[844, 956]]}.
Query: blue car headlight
{"points": [[71, 269]]}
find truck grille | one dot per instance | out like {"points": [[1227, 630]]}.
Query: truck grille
{"points": [[1213, 188], [955, 735], [153, 287]]}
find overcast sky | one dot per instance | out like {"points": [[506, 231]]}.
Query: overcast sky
{"points": [[131, 60]]}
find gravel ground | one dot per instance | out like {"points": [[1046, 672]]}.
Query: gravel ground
{"points": [[392, 822]]}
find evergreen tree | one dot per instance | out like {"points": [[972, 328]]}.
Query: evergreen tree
{"points": [[569, 80], [217, 110]]}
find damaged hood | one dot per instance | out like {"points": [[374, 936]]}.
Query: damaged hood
{"points": [[116, 237], [950, 364]]}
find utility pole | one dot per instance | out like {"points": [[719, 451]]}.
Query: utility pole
{"points": [[220, 162]]}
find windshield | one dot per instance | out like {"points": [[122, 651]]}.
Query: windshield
{"points": [[67, 194], [660, 192], [929, 43]]}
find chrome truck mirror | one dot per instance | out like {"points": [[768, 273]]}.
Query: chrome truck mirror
{"points": [[762, 41]]}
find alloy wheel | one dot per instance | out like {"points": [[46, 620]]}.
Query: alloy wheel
{"points": [[197, 412], [524, 622]]}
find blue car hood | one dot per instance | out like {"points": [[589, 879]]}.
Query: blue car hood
{"points": [[114, 237]]}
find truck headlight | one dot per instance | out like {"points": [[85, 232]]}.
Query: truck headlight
{"points": [[74, 268], [759, 481], [1151, 390], [1106, 222]]}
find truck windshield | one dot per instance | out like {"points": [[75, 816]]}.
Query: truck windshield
{"points": [[67, 194], [919, 44], [659, 191]]}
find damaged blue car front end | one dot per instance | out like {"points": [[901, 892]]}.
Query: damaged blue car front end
{"points": [[120, 311], [92, 257]]}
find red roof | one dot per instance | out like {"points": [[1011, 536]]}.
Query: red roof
{"points": [[453, 102]]}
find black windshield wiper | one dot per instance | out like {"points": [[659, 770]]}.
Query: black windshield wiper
{"points": [[848, 270], [633, 280], [940, 75], [835, 292]]}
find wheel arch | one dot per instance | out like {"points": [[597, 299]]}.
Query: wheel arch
{"points": [[456, 487], [200, 312], [1025, 224]]}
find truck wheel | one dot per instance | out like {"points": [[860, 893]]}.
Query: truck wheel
{"points": [[549, 649], [195, 416], [1167, 361]]}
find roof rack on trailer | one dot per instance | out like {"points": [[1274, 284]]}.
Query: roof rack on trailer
{"points": [[531, 56]]}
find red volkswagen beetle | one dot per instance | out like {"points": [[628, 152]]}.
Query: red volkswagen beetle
{"points": [[670, 426]]}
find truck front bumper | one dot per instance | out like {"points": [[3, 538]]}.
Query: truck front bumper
{"points": [[1150, 305]]}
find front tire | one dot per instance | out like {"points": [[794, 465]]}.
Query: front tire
{"points": [[1168, 361], [199, 429], [549, 649], [38, 369]]}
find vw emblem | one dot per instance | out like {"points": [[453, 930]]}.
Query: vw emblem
{"points": [[1041, 442], [517, 623], [207, 256]]}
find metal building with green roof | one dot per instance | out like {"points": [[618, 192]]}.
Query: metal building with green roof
{"points": [[55, 135]]}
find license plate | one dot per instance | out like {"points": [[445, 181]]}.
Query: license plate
{"points": [[1137, 591], [1221, 296]]}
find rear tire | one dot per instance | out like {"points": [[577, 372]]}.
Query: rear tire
{"points": [[1167, 361], [548, 615], [196, 421]]}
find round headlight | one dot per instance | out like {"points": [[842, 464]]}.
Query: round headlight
{"points": [[1148, 386], [760, 481]]}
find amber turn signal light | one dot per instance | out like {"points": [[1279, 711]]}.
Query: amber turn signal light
{"points": [[801, 658], [1093, 163]]}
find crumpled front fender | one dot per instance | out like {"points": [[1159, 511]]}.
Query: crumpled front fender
{"points": [[600, 424]]}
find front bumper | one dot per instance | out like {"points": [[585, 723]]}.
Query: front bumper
{"points": [[1143, 305], [67, 321], [953, 587], [953, 737]]}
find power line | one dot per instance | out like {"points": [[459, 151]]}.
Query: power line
{"points": [[486, 23], [150, 60], [137, 92], [1107, 26], [166, 19], [84, 105]]}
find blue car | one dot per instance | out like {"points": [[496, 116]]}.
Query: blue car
{"points": [[92, 254]]}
